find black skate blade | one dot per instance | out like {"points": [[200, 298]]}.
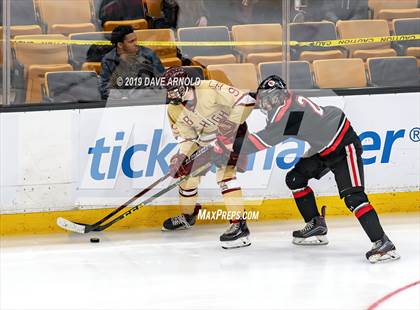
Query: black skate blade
{"points": [[311, 241], [236, 244], [236, 247], [177, 229]]}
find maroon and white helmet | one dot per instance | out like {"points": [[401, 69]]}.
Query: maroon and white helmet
{"points": [[175, 82]]}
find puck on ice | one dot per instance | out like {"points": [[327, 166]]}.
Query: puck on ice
{"points": [[94, 240]]}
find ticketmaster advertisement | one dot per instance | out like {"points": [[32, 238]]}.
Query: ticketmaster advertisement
{"points": [[96, 158]]}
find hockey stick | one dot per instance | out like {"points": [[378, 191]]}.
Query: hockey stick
{"points": [[90, 227], [66, 224], [83, 229]]}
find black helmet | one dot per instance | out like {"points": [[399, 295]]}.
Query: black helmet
{"points": [[174, 82], [271, 93]]}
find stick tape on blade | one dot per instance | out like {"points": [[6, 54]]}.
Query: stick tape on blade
{"points": [[68, 225]]}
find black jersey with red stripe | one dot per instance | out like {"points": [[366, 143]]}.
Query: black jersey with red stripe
{"points": [[322, 127]]}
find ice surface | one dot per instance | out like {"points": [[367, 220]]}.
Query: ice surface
{"points": [[189, 270]]}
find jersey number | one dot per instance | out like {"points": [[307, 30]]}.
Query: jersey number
{"points": [[305, 101]]}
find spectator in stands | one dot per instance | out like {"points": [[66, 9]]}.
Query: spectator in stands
{"points": [[126, 54], [267, 11], [120, 10], [182, 13], [230, 12], [239, 12], [245, 11], [345, 9], [333, 10]]}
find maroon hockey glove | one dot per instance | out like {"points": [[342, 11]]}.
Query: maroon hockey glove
{"points": [[177, 167], [225, 137]]}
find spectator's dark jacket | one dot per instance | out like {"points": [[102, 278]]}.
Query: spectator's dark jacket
{"points": [[111, 61], [345, 9], [333, 10], [120, 10]]}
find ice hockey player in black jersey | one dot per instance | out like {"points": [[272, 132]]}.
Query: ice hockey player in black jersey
{"points": [[334, 146]]}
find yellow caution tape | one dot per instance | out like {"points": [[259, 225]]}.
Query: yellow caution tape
{"points": [[328, 43], [344, 42]]}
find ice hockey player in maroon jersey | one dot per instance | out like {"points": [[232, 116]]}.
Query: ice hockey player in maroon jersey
{"points": [[334, 146]]}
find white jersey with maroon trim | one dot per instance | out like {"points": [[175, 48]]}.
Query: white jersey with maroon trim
{"points": [[196, 121], [322, 127]]}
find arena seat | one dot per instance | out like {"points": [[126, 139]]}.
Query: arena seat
{"points": [[351, 29], [195, 72], [167, 54], [206, 55], [383, 8], [340, 73], [242, 76], [258, 32], [415, 52], [137, 24], [403, 27], [300, 76], [66, 16], [1, 65], [37, 59], [92, 66], [390, 15], [314, 31], [393, 71], [23, 19], [204, 61], [72, 86], [257, 58], [79, 53]]}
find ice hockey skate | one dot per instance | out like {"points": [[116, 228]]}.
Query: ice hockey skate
{"points": [[236, 236], [314, 232], [181, 222], [382, 250]]}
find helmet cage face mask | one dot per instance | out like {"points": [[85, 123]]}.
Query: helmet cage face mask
{"points": [[175, 84], [271, 94], [268, 99], [175, 94]]}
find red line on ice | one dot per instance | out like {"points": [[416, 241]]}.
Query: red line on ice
{"points": [[389, 295]]}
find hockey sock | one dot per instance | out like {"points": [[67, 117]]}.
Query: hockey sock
{"points": [[305, 201], [369, 220], [233, 201], [188, 200]]}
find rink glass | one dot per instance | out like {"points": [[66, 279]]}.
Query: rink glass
{"points": [[323, 21]]}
